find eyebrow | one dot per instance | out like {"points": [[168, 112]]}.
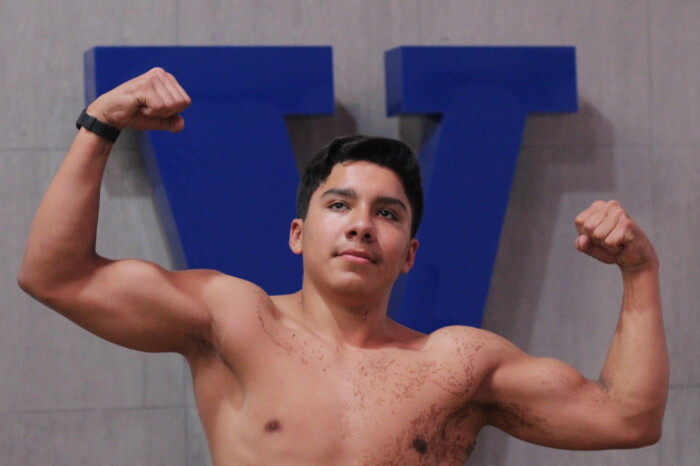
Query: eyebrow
{"points": [[351, 194], [340, 192]]}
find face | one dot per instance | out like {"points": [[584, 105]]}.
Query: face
{"points": [[356, 237]]}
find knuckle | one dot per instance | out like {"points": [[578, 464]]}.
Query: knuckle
{"points": [[626, 222], [590, 225], [610, 243], [614, 208], [157, 106], [599, 236]]}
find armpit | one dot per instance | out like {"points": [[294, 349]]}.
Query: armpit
{"points": [[511, 416], [201, 345]]}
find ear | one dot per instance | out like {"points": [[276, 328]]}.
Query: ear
{"points": [[410, 256], [295, 234]]}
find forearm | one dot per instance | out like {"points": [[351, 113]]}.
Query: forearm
{"points": [[636, 370], [61, 242]]}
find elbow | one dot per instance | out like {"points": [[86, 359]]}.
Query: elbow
{"points": [[54, 289], [645, 437], [651, 434], [653, 437], [645, 430], [30, 284], [26, 281], [36, 285]]}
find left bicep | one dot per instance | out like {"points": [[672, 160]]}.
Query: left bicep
{"points": [[547, 402]]}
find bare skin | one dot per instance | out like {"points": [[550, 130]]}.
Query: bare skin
{"points": [[323, 376]]}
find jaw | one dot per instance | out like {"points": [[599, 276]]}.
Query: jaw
{"points": [[351, 287]]}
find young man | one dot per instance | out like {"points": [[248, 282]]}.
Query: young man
{"points": [[323, 376]]}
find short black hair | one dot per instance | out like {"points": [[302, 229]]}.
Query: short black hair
{"points": [[389, 153]]}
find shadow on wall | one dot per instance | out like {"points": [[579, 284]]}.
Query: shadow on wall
{"points": [[308, 134], [561, 154], [125, 176], [544, 175]]}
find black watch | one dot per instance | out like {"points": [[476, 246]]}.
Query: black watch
{"points": [[92, 124]]}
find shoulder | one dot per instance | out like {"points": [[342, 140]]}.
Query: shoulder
{"points": [[237, 305], [213, 289], [461, 359], [464, 338], [484, 351], [236, 308], [220, 288]]}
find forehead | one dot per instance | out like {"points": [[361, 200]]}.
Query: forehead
{"points": [[365, 176]]}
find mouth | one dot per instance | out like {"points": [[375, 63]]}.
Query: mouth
{"points": [[357, 256]]}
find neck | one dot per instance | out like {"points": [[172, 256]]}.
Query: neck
{"points": [[360, 322]]}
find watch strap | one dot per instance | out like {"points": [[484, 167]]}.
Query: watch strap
{"points": [[92, 124]]}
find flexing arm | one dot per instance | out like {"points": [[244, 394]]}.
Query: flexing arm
{"points": [[636, 370], [132, 303], [548, 402]]}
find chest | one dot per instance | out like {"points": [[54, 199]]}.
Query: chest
{"points": [[373, 405]]}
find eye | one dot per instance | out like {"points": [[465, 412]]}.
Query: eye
{"points": [[387, 213], [337, 205]]}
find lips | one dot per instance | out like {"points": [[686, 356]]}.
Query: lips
{"points": [[356, 255]]}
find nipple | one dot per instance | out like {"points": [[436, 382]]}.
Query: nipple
{"points": [[273, 426], [420, 445]]}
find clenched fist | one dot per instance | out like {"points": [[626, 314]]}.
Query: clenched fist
{"points": [[148, 102], [608, 233]]}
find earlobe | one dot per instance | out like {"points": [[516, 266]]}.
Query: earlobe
{"points": [[410, 256], [295, 234]]}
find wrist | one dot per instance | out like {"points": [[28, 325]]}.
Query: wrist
{"points": [[97, 126], [649, 269]]}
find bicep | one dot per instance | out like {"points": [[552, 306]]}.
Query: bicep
{"points": [[137, 304], [548, 402]]}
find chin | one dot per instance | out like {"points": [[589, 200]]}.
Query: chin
{"points": [[360, 288]]}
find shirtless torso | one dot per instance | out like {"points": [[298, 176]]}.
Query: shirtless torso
{"points": [[271, 391]]}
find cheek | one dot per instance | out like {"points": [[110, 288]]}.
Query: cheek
{"points": [[400, 247], [317, 235]]}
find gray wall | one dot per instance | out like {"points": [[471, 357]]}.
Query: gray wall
{"points": [[67, 397]]}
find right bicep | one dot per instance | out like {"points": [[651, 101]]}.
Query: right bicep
{"points": [[138, 304]]}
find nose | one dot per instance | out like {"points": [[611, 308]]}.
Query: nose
{"points": [[361, 226]]}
